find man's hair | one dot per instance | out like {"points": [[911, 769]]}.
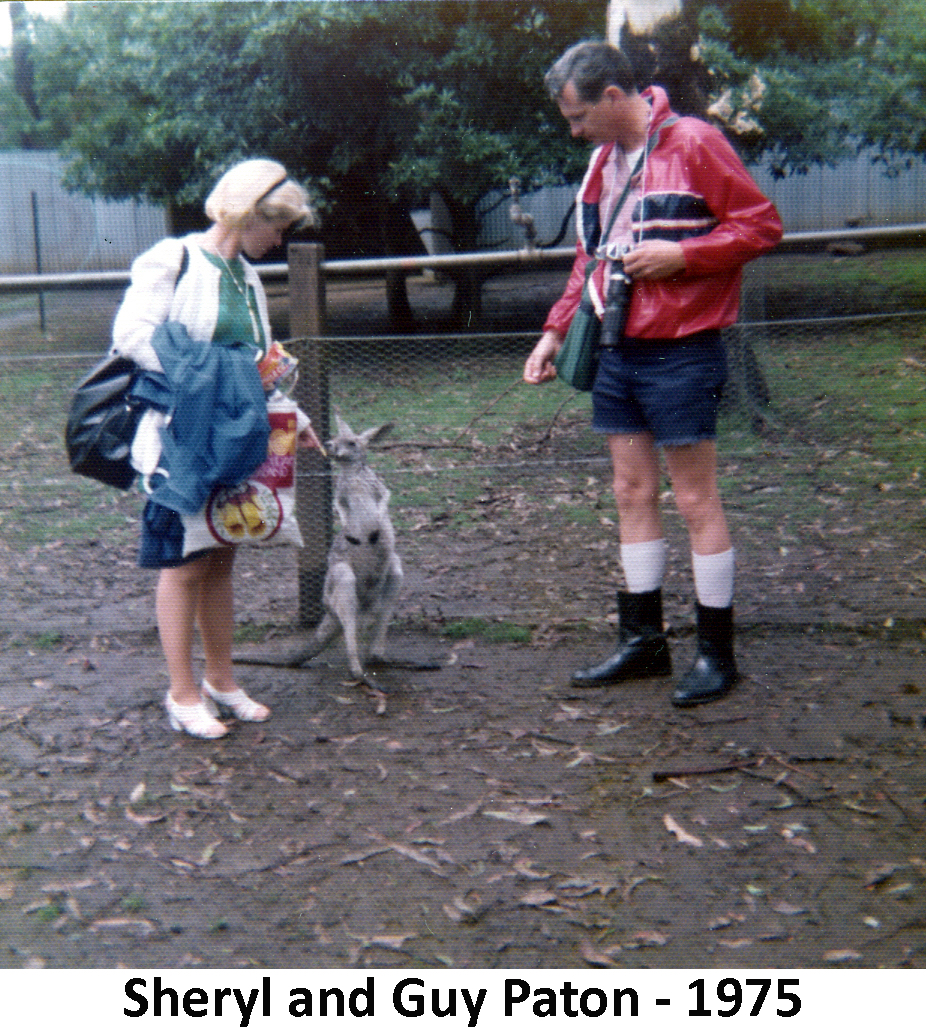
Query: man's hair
{"points": [[591, 67]]}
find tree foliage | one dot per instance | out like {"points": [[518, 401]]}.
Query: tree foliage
{"points": [[814, 80], [376, 104]]}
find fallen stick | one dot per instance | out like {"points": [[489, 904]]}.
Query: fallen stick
{"points": [[703, 771]]}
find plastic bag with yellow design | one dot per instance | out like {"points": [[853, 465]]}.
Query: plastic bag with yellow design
{"points": [[262, 509]]}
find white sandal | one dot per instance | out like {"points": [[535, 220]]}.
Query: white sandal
{"points": [[196, 719], [241, 705]]}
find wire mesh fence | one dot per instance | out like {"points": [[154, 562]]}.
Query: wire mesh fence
{"points": [[501, 490]]}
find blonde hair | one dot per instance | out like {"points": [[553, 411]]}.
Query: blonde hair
{"points": [[258, 187]]}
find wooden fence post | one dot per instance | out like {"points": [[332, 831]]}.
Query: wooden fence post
{"points": [[313, 483]]}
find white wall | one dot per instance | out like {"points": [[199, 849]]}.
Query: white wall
{"points": [[76, 233], [855, 192]]}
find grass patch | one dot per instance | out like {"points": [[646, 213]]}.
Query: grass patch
{"points": [[438, 397], [48, 640], [134, 903], [489, 630], [48, 913], [70, 513], [252, 633], [861, 389], [813, 285]]}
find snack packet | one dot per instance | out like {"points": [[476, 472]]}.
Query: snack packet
{"points": [[278, 369]]}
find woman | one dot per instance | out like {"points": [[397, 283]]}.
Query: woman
{"points": [[204, 283]]}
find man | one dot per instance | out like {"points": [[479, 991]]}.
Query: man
{"points": [[692, 218]]}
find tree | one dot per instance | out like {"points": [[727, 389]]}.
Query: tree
{"points": [[23, 72], [19, 110], [377, 104], [795, 82], [812, 80], [480, 114]]}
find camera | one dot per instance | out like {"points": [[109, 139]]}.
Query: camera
{"points": [[616, 306]]}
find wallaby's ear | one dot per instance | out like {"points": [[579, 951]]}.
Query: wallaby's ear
{"points": [[375, 434], [343, 429]]}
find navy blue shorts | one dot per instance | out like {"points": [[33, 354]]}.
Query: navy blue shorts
{"points": [[162, 539], [669, 388]]}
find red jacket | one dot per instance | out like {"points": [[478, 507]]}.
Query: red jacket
{"points": [[697, 193]]}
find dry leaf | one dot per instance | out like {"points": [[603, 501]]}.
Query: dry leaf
{"points": [[841, 955], [598, 957], [674, 827], [359, 857], [379, 698], [587, 886], [856, 808], [460, 911], [208, 852], [787, 909], [570, 712], [646, 939], [452, 913], [606, 728], [635, 883], [412, 853], [92, 815], [60, 887], [538, 897], [390, 941], [123, 922], [526, 869], [807, 846], [470, 810], [385, 941], [881, 873], [526, 817], [142, 819]]}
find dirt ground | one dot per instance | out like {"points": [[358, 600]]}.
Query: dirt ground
{"points": [[490, 816]]}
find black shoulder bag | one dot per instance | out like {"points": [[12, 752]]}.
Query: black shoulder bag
{"points": [[103, 418]]}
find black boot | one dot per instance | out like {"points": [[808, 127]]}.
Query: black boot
{"points": [[642, 647], [714, 671]]}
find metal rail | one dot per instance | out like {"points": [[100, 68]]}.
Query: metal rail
{"points": [[911, 235], [352, 268]]}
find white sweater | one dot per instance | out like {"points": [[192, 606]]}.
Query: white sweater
{"points": [[154, 297]]}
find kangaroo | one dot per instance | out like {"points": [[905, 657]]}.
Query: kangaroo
{"points": [[364, 573]]}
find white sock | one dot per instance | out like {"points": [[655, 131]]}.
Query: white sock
{"points": [[713, 577], [644, 565]]}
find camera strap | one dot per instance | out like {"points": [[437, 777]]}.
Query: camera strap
{"points": [[619, 206], [651, 143]]}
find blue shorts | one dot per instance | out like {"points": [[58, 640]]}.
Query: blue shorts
{"points": [[669, 388], [162, 539]]}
